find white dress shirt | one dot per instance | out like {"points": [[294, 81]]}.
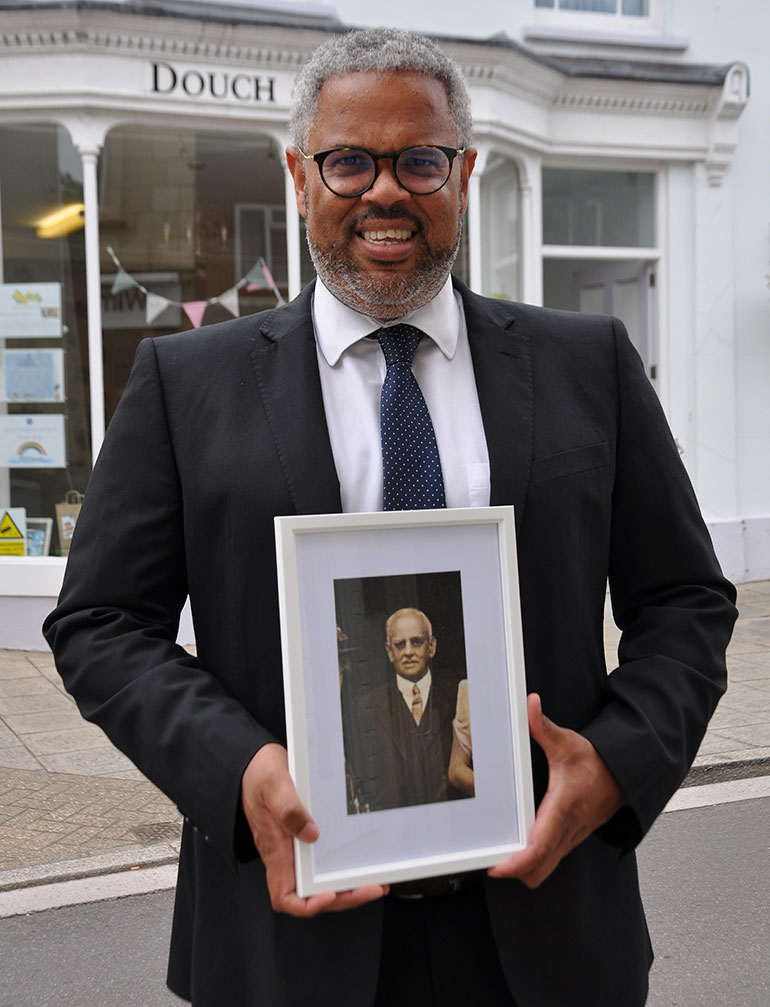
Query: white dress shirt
{"points": [[352, 370], [406, 688]]}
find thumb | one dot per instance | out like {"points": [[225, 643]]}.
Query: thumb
{"points": [[541, 729]]}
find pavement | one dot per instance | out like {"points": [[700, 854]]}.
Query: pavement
{"points": [[72, 806]]}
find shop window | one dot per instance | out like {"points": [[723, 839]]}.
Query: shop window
{"points": [[192, 230], [44, 390], [500, 227]]}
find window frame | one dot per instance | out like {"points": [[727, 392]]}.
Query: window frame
{"points": [[581, 21]]}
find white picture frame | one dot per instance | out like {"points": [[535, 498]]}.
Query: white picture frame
{"points": [[460, 563]]}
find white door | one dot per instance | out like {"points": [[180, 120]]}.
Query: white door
{"points": [[623, 289]]}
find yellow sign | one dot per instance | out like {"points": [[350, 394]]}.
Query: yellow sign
{"points": [[12, 532]]}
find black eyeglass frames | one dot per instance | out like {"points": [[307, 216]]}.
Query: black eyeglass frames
{"points": [[352, 171]]}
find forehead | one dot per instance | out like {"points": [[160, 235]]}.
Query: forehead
{"points": [[407, 625], [382, 110]]}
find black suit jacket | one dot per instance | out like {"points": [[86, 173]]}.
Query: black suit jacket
{"points": [[222, 428]]}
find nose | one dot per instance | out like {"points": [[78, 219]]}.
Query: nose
{"points": [[386, 190]]}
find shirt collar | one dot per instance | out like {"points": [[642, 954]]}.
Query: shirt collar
{"points": [[406, 685], [337, 326]]}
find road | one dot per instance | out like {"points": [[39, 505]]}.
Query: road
{"points": [[704, 875]]}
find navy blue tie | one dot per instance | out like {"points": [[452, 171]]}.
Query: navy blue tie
{"points": [[411, 468]]}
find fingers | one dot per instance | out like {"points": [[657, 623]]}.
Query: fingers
{"points": [[268, 786], [582, 794], [276, 816]]}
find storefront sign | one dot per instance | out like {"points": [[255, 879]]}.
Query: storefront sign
{"points": [[30, 310], [220, 84], [35, 442]]}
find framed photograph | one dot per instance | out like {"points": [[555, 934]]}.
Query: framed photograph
{"points": [[39, 535], [405, 692]]}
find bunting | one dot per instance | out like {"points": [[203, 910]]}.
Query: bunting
{"points": [[229, 300], [258, 277], [155, 304]]}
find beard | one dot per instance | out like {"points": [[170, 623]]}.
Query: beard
{"points": [[379, 296]]}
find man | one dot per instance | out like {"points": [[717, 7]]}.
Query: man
{"points": [[221, 429], [398, 734]]}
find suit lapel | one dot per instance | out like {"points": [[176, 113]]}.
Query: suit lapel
{"points": [[502, 365], [290, 388]]}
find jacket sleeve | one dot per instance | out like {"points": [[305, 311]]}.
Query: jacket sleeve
{"points": [[673, 607], [114, 629]]}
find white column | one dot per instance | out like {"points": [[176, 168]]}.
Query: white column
{"points": [[89, 156], [474, 232], [531, 205], [714, 349], [293, 236]]}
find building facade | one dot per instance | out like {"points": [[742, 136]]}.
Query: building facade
{"points": [[143, 191]]}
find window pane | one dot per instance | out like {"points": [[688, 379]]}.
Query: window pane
{"points": [[635, 8], [187, 213], [544, 3], [43, 333], [608, 208], [595, 6]]}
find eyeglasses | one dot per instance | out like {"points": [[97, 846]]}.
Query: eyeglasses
{"points": [[352, 171]]}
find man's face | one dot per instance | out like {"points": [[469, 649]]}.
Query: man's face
{"points": [[383, 277], [410, 646]]}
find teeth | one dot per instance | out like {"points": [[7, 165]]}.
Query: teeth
{"points": [[388, 236]]}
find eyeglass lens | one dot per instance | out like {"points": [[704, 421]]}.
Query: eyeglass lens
{"points": [[419, 169]]}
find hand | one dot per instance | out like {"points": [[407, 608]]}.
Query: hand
{"points": [[582, 795], [275, 815]]}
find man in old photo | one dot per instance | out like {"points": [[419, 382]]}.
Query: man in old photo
{"points": [[398, 732], [386, 385]]}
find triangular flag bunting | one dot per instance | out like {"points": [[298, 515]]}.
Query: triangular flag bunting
{"points": [[195, 311], [155, 304], [230, 301], [256, 276], [269, 277], [122, 281]]}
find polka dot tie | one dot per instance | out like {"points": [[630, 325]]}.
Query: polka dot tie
{"points": [[411, 468]]}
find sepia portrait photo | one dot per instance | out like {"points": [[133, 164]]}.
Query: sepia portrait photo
{"points": [[403, 690]]}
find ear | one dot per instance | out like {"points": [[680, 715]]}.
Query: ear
{"points": [[466, 167], [296, 166], [390, 652], [432, 647]]}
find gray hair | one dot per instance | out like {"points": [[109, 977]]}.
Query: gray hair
{"points": [[379, 50], [407, 611]]}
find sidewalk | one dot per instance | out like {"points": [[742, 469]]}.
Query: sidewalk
{"points": [[72, 806]]}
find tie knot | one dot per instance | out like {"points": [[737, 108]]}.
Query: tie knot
{"points": [[399, 343]]}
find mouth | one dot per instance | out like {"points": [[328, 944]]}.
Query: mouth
{"points": [[387, 236]]}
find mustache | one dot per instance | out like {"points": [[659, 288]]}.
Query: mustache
{"points": [[380, 213]]}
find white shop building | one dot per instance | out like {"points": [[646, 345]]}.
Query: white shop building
{"points": [[142, 190]]}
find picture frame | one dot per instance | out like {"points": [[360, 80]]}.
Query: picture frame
{"points": [[441, 585], [39, 530]]}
